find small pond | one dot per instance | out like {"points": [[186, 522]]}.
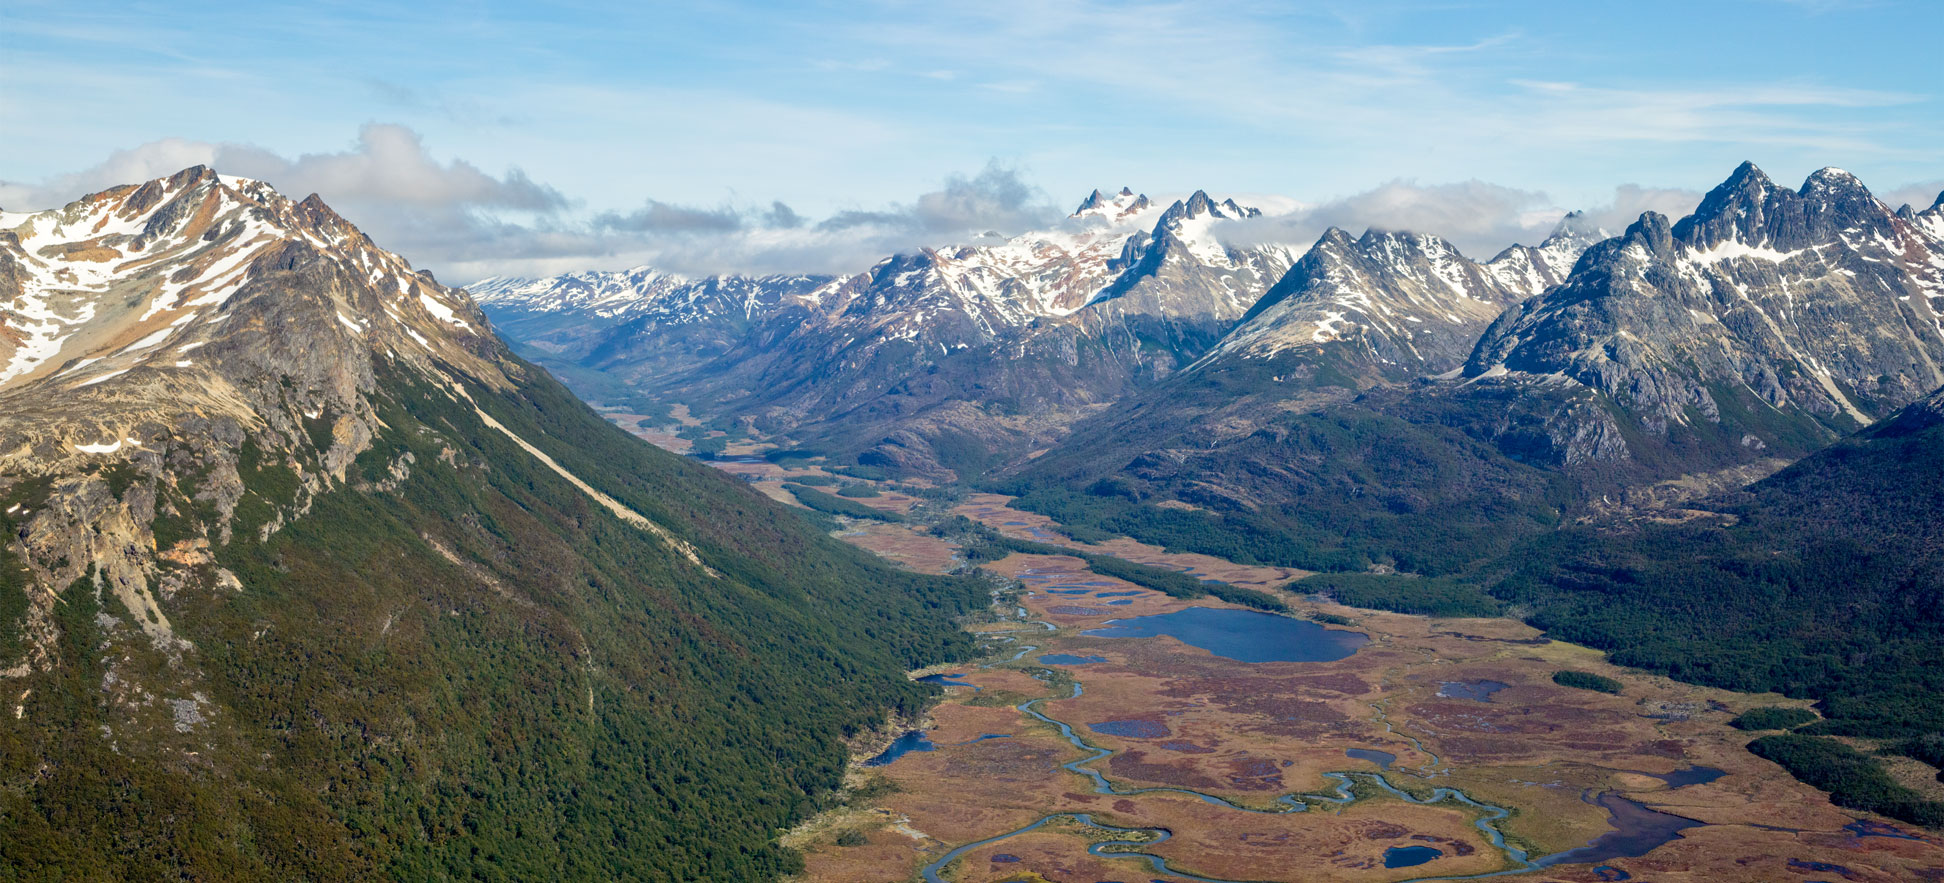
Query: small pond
{"points": [[911, 741], [1070, 659], [1477, 691], [1694, 775], [1133, 729], [1241, 635], [1382, 759], [1409, 856]]}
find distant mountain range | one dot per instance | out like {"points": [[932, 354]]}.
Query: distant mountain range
{"points": [[951, 360]]}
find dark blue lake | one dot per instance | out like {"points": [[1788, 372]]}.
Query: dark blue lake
{"points": [[1477, 691], [1383, 759], [948, 680], [1115, 594], [1409, 856], [1070, 659], [1121, 603], [1241, 635], [1694, 775], [1134, 729], [905, 744], [1637, 831]]}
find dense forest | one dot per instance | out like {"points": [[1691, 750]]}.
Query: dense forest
{"points": [[1824, 581], [476, 674]]}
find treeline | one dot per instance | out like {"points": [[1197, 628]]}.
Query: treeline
{"points": [[982, 543], [831, 504], [1852, 778], [1405, 593]]}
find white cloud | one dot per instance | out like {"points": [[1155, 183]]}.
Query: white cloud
{"points": [[1920, 196], [1478, 217]]}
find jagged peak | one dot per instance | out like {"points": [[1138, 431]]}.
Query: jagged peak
{"points": [[1114, 207], [1201, 204], [1747, 184], [1745, 174], [1336, 236], [1654, 231], [1574, 227]]}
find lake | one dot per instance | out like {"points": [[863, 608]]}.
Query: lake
{"points": [[1241, 635], [1383, 759], [905, 744], [1409, 856]]}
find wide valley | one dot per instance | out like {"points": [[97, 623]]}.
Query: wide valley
{"points": [[1114, 734]]}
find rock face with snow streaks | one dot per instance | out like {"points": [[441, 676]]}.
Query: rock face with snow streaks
{"points": [[1767, 313]]}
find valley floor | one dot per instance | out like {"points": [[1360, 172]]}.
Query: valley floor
{"points": [[1439, 749]]}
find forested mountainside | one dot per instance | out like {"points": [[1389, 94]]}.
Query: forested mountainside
{"points": [[307, 577], [1825, 580]]}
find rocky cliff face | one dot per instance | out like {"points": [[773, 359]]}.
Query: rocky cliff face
{"points": [[1776, 319], [1390, 305], [162, 328]]}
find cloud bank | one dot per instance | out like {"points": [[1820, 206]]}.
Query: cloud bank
{"points": [[466, 223]]}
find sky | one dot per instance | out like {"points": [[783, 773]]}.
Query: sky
{"points": [[484, 138]]}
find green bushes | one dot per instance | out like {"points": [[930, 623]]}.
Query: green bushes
{"points": [[831, 504], [1584, 680], [1427, 596], [868, 473], [857, 491], [1852, 778], [1773, 717], [982, 543]]}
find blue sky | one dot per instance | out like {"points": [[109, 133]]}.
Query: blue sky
{"points": [[540, 132]]}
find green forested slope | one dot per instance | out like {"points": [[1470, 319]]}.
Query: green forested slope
{"points": [[479, 674]]}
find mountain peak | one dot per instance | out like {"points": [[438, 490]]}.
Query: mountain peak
{"points": [[1114, 207], [1199, 204], [138, 276], [1747, 185], [1832, 182]]}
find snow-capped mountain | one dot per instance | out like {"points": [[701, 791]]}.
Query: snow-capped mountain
{"points": [[1675, 359], [1052, 321], [1403, 304], [1767, 304], [137, 280]]}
